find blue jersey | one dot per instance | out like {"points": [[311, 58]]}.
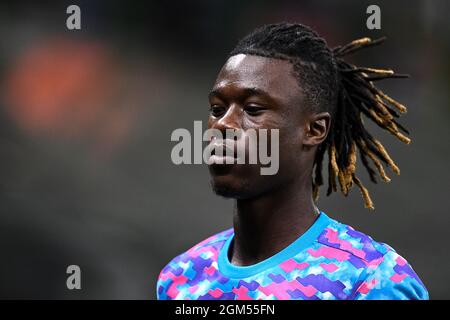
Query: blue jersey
{"points": [[330, 260]]}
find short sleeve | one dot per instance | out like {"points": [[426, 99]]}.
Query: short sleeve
{"points": [[392, 279]]}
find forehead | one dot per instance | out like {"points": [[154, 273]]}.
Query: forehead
{"points": [[273, 76]]}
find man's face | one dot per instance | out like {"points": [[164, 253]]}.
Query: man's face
{"points": [[253, 92]]}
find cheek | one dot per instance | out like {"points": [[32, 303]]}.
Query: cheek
{"points": [[291, 139], [290, 147], [210, 122]]}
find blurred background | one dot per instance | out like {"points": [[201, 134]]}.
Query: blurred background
{"points": [[86, 116]]}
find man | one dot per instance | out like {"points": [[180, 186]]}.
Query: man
{"points": [[284, 76]]}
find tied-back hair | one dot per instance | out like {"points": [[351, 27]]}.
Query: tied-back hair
{"points": [[331, 84]]}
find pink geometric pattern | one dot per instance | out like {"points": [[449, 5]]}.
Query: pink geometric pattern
{"points": [[330, 261]]}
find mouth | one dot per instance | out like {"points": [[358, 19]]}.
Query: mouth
{"points": [[227, 156]]}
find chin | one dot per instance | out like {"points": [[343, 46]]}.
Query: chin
{"points": [[239, 182], [228, 189]]}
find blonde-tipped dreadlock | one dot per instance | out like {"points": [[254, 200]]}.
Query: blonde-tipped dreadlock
{"points": [[358, 95], [329, 83]]}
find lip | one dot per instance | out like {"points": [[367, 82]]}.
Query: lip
{"points": [[229, 147], [225, 158], [221, 160]]}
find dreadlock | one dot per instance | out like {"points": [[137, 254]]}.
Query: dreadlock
{"points": [[343, 89]]}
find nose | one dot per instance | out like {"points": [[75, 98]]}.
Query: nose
{"points": [[232, 119]]}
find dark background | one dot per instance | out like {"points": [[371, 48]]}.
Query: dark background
{"points": [[86, 116]]}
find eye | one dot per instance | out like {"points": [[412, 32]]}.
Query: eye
{"points": [[217, 110], [254, 110]]}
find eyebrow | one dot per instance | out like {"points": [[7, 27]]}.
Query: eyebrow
{"points": [[246, 92]]}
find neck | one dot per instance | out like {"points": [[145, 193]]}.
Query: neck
{"points": [[267, 224]]}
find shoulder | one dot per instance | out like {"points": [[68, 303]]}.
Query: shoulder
{"points": [[205, 249], [385, 273], [202, 255], [357, 245], [213, 241]]}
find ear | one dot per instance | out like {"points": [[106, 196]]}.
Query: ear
{"points": [[316, 129]]}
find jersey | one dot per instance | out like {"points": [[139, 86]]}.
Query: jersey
{"points": [[330, 260]]}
